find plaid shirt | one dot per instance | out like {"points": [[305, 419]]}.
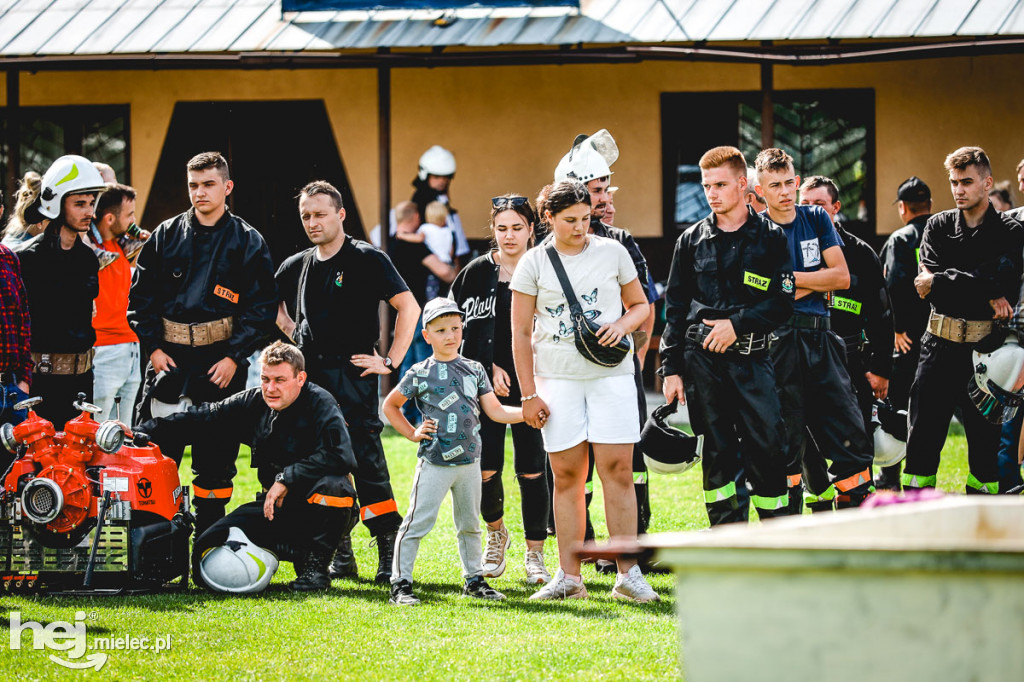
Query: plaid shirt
{"points": [[15, 327]]}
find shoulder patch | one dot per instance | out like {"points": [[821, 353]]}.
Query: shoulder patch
{"points": [[787, 284]]}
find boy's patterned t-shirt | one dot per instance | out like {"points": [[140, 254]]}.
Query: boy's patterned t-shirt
{"points": [[449, 393]]}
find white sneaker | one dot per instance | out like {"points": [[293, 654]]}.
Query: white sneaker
{"points": [[633, 586], [561, 587], [498, 543], [536, 573]]}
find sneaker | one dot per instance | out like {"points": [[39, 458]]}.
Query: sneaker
{"points": [[561, 587], [633, 586], [478, 588], [536, 573], [401, 594], [498, 543]]}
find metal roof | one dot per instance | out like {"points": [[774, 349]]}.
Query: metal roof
{"points": [[56, 28]]}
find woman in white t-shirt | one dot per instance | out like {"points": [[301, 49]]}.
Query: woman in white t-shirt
{"points": [[574, 402]]}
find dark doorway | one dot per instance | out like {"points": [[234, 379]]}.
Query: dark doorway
{"points": [[272, 148]]}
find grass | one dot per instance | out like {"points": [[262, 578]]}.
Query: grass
{"points": [[351, 632]]}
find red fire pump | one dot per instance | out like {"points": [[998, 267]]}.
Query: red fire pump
{"points": [[93, 507]]}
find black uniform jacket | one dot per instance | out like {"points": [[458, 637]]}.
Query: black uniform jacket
{"points": [[864, 307], [972, 265], [751, 285], [61, 285], [900, 257], [189, 273], [306, 441], [474, 291]]}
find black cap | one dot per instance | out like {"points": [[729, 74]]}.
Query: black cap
{"points": [[913, 189]]}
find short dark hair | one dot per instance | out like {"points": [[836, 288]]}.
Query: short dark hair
{"points": [[323, 187], [816, 181], [112, 200], [965, 157], [207, 160], [279, 352], [523, 209], [772, 160]]}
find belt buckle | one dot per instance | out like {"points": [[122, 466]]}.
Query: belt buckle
{"points": [[44, 366], [196, 334], [750, 345]]}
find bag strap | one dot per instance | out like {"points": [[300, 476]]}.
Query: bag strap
{"points": [[570, 296], [300, 291]]}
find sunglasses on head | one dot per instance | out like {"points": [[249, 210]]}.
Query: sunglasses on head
{"points": [[502, 202]]}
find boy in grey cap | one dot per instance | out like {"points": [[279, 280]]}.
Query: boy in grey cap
{"points": [[449, 391]]}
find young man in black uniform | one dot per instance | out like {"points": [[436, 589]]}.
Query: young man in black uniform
{"points": [[901, 255], [810, 369], [202, 301], [971, 262], [61, 276], [861, 315], [303, 456], [330, 298], [729, 287]]}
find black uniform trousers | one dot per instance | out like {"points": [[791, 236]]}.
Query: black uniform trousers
{"points": [[733, 398], [814, 462], [818, 399], [214, 455], [357, 398], [643, 499], [529, 457], [941, 384], [59, 393], [301, 525]]}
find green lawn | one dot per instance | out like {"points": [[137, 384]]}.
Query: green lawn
{"points": [[351, 632]]}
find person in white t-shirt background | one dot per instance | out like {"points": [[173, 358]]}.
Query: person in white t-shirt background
{"points": [[576, 403]]}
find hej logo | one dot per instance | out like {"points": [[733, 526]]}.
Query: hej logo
{"points": [[58, 636]]}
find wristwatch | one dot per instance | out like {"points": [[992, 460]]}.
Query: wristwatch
{"points": [[388, 363], [279, 478]]}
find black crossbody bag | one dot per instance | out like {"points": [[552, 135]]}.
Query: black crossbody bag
{"points": [[584, 331]]}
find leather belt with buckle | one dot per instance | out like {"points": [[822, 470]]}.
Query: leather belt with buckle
{"points": [[957, 330], [63, 363], [798, 321], [744, 345], [198, 333]]}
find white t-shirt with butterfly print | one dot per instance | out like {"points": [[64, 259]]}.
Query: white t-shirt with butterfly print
{"points": [[598, 274]]}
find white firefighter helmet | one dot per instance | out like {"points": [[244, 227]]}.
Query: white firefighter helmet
{"points": [[69, 174], [890, 433], [588, 158], [238, 566], [437, 161], [995, 387]]}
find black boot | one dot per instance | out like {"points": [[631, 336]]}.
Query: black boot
{"points": [[385, 556], [314, 572], [208, 512], [344, 564]]}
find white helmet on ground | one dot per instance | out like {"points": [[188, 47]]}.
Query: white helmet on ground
{"points": [[69, 174], [890, 433], [588, 158], [238, 566], [995, 387], [437, 161]]}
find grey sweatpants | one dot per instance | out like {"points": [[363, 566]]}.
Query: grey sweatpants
{"points": [[429, 487]]}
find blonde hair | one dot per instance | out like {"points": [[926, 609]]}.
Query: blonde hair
{"points": [[436, 213], [27, 193]]}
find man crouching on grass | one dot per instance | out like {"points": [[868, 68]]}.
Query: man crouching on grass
{"points": [[449, 391], [303, 456]]}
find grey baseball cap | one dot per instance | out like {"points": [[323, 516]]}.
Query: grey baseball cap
{"points": [[437, 307]]}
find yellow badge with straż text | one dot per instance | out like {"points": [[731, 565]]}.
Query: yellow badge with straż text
{"points": [[225, 293], [846, 304], [756, 281]]}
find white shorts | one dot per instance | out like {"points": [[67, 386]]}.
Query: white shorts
{"points": [[602, 410]]}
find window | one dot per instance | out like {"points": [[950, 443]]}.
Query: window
{"points": [[99, 133], [828, 132]]}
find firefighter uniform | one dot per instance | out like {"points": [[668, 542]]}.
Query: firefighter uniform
{"points": [[862, 317], [971, 266], [900, 257], [305, 447], [201, 294], [814, 385], [744, 276]]}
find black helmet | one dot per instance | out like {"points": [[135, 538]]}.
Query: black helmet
{"points": [[667, 450]]}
